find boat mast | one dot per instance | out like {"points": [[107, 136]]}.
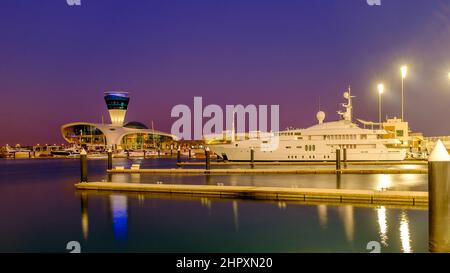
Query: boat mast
{"points": [[348, 114]]}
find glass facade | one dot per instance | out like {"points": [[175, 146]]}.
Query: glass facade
{"points": [[117, 100], [84, 134], [138, 141]]}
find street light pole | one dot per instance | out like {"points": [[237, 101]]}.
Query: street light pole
{"points": [[380, 92], [404, 71]]}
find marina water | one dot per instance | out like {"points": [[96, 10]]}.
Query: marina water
{"points": [[43, 212]]}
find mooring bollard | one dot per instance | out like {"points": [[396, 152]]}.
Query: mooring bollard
{"points": [[207, 159], [439, 199], [145, 153], [345, 157], [252, 157], [159, 152], [109, 159], [84, 168], [178, 155], [338, 161], [190, 155]]}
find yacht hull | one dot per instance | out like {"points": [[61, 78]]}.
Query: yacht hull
{"points": [[243, 154]]}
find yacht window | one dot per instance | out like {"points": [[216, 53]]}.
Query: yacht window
{"points": [[306, 147], [288, 147], [363, 136], [299, 147], [265, 141]]}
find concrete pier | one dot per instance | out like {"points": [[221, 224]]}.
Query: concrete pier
{"points": [[272, 171], [269, 193], [307, 163]]}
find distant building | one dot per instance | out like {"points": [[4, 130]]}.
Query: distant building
{"points": [[399, 129], [118, 135]]}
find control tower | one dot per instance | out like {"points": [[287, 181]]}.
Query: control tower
{"points": [[117, 103]]}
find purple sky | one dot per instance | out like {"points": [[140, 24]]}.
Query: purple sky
{"points": [[56, 61]]}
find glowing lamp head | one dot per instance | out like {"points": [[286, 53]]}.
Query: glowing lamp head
{"points": [[380, 88], [404, 71]]}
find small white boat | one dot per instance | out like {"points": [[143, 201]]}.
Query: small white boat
{"points": [[71, 152]]}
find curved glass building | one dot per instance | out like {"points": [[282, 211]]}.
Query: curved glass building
{"points": [[117, 135]]}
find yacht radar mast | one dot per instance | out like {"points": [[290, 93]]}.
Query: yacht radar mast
{"points": [[348, 114]]}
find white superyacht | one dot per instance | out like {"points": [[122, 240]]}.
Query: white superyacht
{"points": [[316, 143]]}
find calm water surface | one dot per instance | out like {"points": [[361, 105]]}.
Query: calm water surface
{"points": [[43, 212]]}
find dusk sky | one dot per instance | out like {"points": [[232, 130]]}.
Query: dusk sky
{"points": [[57, 60]]}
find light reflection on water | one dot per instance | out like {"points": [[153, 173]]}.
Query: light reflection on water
{"points": [[382, 222], [153, 223], [337, 228], [405, 234]]}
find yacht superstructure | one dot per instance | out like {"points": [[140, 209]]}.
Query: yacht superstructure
{"points": [[316, 143]]}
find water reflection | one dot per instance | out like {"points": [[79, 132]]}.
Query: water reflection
{"points": [[119, 216], [384, 182], [347, 217], [405, 236], [344, 219], [236, 215], [382, 223], [84, 215], [135, 178], [323, 215], [338, 181]]}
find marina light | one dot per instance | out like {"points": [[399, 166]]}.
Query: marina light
{"points": [[380, 88], [380, 92], [404, 71]]}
